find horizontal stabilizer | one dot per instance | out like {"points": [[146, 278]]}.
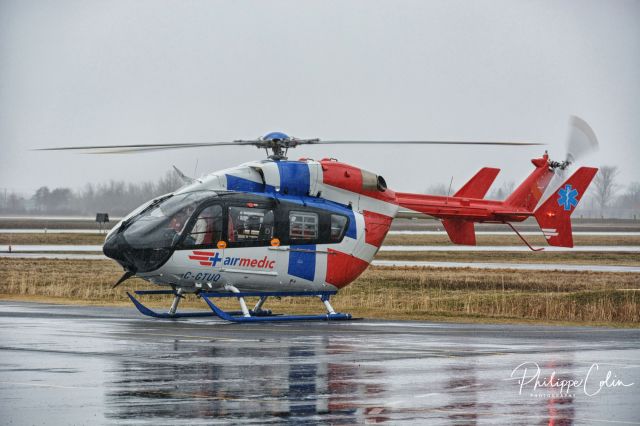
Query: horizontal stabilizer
{"points": [[460, 231], [554, 215], [479, 184]]}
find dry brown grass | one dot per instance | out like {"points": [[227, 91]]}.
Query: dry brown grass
{"points": [[399, 293], [51, 223], [549, 296]]}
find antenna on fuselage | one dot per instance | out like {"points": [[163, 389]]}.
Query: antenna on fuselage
{"points": [[449, 191]]}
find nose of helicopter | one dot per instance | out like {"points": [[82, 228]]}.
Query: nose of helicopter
{"points": [[134, 257], [115, 247]]}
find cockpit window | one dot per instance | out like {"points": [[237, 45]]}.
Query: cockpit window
{"points": [[207, 229], [160, 225]]}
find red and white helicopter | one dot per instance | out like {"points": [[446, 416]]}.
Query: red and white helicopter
{"points": [[308, 228]]}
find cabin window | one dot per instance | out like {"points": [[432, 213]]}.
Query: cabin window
{"points": [[303, 225], [207, 229], [338, 227], [250, 225]]}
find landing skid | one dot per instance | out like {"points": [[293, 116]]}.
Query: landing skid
{"points": [[257, 314]]}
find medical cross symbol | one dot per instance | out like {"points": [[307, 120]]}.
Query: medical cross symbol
{"points": [[568, 197], [215, 259]]}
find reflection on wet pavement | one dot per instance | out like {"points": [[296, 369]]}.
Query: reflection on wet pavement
{"points": [[107, 365]]}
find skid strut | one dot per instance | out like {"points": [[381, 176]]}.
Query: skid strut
{"points": [[257, 314]]}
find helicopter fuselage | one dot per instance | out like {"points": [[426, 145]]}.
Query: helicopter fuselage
{"points": [[270, 225]]}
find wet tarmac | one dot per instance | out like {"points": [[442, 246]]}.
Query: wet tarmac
{"points": [[84, 256], [98, 248], [81, 365], [53, 231], [50, 248]]}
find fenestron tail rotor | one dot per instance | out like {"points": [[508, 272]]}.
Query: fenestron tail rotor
{"points": [[276, 144]]}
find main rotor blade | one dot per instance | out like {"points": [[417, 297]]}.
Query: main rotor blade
{"points": [[136, 148], [364, 142], [125, 149]]}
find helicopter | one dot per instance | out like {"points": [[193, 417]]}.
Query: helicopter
{"points": [[299, 228]]}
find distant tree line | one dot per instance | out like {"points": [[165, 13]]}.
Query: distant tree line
{"points": [[115, 197], [606, 197]]}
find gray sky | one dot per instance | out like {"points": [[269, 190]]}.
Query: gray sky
{"points": [[123, 72]]}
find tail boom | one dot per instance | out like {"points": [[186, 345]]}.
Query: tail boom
{"points": [[459, 213]]}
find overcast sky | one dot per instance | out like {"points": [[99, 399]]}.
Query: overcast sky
{"points": [[76, 73]]}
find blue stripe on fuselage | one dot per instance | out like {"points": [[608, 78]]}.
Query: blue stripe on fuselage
{"points": [[294, 177], [235, 183], [302, 263]]}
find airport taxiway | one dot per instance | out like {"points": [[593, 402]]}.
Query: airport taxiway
{"points": [[520, 248], [79, 365]]}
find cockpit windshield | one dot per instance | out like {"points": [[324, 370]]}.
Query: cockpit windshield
{"points": [[160, 225]]}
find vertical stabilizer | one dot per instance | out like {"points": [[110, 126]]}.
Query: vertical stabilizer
{"points": [[479, 184], [554, 215]]}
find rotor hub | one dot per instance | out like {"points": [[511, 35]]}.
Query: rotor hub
{"points": [[276, 144]]}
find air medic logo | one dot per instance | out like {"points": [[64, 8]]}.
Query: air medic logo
{"points": [[214, 260]]}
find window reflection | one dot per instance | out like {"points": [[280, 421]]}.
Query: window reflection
{"points": [[207, 229], [303, 225], [338, 226]]}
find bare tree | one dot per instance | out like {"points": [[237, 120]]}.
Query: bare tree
{"points": [[503, 191], [440, 189], [630, 200], [41, 198], [605, 187]]}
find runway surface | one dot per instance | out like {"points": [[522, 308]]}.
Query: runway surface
{"points": [[80, 365], [52, 231], [98, 248]]}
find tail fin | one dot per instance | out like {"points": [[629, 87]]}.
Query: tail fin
{"points": [[554, 215], [460, 231], [479, 184], [530, 191]]}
